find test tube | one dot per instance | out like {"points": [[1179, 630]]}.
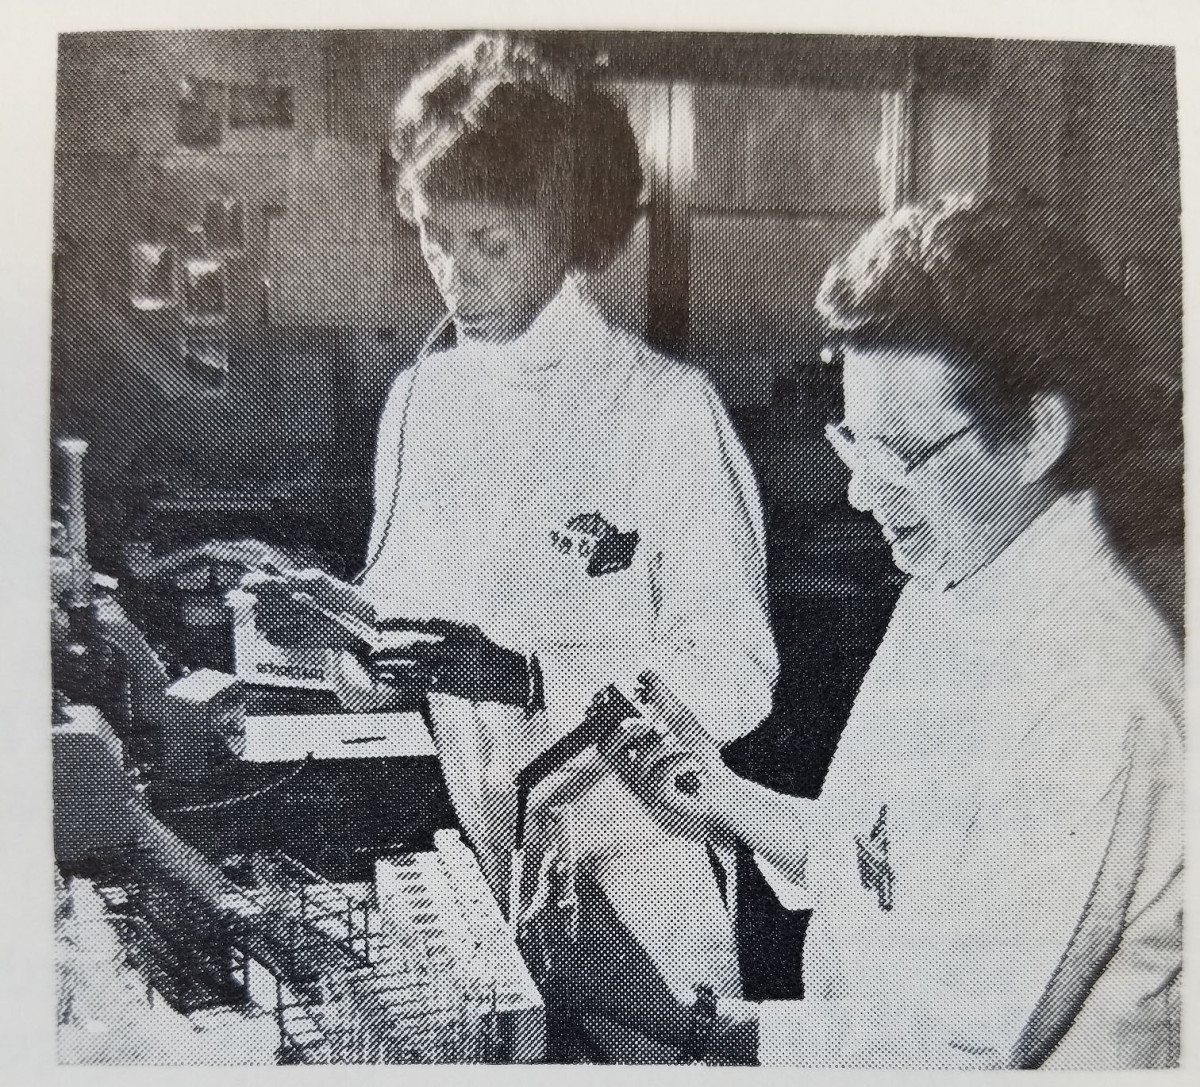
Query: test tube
{"points": [[75, 522]]}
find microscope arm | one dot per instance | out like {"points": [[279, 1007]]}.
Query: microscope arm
{"points": [[148, 679]]}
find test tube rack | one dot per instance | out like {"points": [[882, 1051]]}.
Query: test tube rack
{"points": [[430, 973], [419, 967]]}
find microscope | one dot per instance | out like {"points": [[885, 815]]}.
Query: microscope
{"points": [[417, 965], [119, 720]]}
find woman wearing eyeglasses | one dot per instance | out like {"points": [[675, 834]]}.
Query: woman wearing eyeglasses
{"points": [[994, 862]]}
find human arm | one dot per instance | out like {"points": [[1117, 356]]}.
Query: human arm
{"points": [[389, 452], [1042, 878], [670, 762], [424, 653], [713, 645], [701, 615]]}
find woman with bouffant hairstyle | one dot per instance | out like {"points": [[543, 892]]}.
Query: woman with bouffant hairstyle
{"points": [[494, 121], [1022, 305], [1025, 308], [566, 506]]}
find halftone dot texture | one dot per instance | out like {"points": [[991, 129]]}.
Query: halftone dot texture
{"points": [[1012, 764], [239, 312]]}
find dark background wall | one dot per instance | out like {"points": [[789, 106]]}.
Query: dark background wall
{"points": [[764, 157]]}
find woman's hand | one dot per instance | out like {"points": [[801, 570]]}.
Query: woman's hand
{"points": [[293, 609], [673, 766], [455, 659], [359, 692], [735, 1037], [662, 703]]}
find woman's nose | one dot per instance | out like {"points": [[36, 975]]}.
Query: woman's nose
{"points": [[453, 271], [866, 493]]}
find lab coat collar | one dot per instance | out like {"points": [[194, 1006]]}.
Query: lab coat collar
{"points": [[1055, 550], [542, 348]]}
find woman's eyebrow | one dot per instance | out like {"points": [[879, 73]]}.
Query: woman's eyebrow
{"points": [[901, 443], [863, 435]]}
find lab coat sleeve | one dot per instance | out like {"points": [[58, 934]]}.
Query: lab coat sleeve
{"points": [[713, 644], [968, 972], [388, 446]]}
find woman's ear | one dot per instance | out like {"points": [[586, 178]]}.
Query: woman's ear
{"points": [[1050, 434]]}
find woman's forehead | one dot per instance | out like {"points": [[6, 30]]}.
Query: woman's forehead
{"points": [[463, 213], [890, 390]]}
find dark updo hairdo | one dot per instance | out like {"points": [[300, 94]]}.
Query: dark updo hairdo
{"points": [[495, 121], [1018, 305]]}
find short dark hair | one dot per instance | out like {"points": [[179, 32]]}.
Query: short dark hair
{"points": [[1014, 301], [495, 120]]}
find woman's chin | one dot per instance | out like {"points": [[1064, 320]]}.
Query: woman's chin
{"points": [[916, 557]]}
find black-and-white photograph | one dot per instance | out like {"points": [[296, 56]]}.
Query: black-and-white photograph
{"points": [[615, 547]]}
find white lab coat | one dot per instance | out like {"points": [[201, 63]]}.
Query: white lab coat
{"points": [[1023, 730], [503, 448]]}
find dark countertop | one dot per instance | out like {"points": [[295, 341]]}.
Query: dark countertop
{"points": [[334, 816]]}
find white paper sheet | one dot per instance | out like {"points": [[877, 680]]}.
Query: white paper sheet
{"points": [[292, 736]]}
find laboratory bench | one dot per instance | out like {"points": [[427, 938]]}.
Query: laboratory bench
{"points": [[333, 815]]}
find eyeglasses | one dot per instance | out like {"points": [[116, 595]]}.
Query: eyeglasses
{"points": [[879, 459]]}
